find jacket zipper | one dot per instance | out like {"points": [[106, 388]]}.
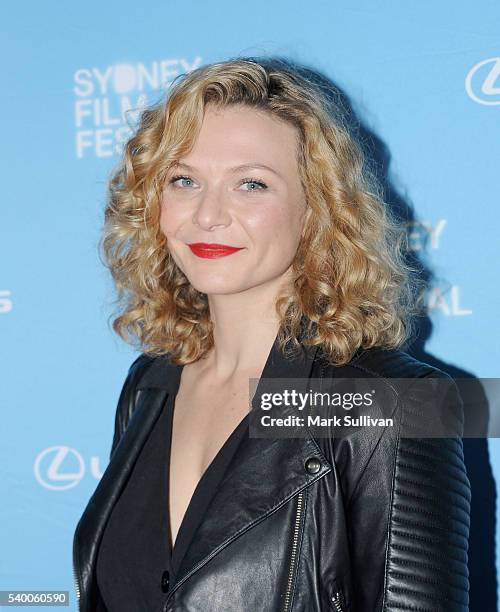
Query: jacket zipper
{"points": [[336, 597], [77, 586], [337, 602], [293, 556]]}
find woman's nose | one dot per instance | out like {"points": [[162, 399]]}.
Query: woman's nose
{"points": [[211, 210]]}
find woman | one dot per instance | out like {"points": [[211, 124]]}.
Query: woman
{"points": [[248, 241]]}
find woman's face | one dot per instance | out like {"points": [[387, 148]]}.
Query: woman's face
{"points": [[259, 210]]}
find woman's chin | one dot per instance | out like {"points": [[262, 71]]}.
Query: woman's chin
{"points": [[217, 286]]}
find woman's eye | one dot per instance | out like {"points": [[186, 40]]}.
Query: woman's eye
{"points": [[255, 185], [174, 179]]}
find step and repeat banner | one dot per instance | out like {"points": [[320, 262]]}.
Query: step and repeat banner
{"points": [[424, 80]]}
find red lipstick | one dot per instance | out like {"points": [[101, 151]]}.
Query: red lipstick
{"points": [[211, 250]]}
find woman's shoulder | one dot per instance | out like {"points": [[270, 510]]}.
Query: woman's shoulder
{"points": [[141, 364], [406, 384], [138, 376], [387, 363], [149, 370]]}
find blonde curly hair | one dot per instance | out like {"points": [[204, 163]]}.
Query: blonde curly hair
{"points": [[352, 287]]}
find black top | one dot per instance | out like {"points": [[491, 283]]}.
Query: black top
{"points": [[135, 562]]}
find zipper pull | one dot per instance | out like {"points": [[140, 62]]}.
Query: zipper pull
{"points": [[336, 600], [337, 597]]}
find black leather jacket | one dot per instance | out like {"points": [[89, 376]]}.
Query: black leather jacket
{"points": [[379, 523]]}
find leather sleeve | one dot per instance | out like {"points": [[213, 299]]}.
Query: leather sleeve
{"points": [[127, 399], [409, 522]]}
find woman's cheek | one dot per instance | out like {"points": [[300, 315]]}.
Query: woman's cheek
{"points": [[169, 219], [263, 218]]}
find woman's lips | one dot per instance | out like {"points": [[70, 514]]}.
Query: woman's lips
{"points": [[210, 250]]}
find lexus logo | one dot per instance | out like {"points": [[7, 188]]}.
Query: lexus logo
{"points": [[62, 467], [482, 83]]}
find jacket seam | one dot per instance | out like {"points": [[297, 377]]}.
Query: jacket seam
{"points": [[377, 375], [353, 493], [389, 523]]}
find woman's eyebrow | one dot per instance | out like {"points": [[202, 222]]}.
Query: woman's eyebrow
{"points": [[248, 166]]}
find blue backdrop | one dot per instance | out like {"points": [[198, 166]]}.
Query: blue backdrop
{"points": [[424, 79]]}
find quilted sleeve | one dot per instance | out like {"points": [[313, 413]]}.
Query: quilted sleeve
{"points": [[409, 521], [126, 401]]}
